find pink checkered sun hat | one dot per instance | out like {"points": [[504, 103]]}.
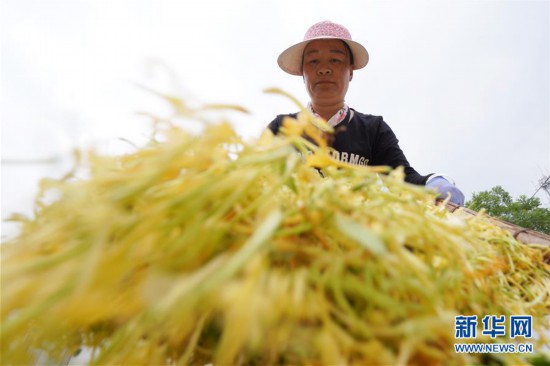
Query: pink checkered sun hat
{"points": [[290, 60]]}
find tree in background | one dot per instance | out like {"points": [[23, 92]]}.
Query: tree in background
{"points": [[525, 212]]}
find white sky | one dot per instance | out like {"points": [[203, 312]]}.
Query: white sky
{"points": [[465, 85]]}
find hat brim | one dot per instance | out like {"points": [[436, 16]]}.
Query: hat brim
{"points": [[290, 60]]}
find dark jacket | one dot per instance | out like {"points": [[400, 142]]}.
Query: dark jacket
{"points": [[366, 139]]}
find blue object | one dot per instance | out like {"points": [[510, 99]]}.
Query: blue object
{"points": [[446, 187]]}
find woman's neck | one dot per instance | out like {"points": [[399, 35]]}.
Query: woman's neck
{"points": [[326, 111]]}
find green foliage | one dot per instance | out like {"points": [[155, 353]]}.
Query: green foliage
{"points": [[525, 212]]}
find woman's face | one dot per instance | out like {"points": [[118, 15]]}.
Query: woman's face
{"points": [[327, 71]]}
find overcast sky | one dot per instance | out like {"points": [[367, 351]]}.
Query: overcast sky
{"points": [[465, 85]]}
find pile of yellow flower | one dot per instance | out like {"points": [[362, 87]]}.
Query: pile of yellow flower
{"points": [[205, 249]]}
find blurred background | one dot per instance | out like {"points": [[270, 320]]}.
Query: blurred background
{"points": [[465, 85]]}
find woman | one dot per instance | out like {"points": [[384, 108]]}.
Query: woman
{"points": [[326, 59]]}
